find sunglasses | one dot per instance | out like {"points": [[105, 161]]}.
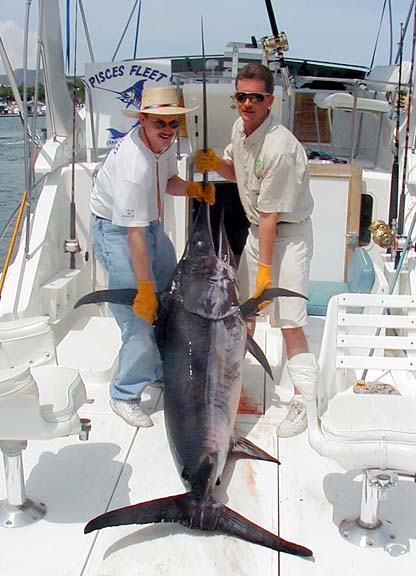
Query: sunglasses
{"points": [[160, 124], [254, 97]]}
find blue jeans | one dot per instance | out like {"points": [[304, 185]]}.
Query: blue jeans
{"points": [[139, 359]]}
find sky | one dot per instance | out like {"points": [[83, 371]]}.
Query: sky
{"points": [[342, 31]]}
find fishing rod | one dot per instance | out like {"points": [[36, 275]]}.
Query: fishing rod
{"points": [[394, 185], [276, 45], [406, 24], [71, 245], [400, 222]]}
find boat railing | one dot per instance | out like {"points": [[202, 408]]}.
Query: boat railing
{"points": [[17, 217], [357, 87], [13, 238]]}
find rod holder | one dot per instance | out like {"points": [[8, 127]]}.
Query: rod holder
{"points": [[84, 433]]}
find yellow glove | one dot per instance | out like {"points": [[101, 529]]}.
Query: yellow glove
{"points": [[207, 194], [194, 190], [145, 302], [206, 161], [263, 281]]}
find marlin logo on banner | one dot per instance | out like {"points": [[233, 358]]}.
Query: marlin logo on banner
{"points": [[108, 83], [132, 97]]}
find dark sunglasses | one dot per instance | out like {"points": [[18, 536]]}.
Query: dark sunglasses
{"points": [[160, 124], [254, 97]]}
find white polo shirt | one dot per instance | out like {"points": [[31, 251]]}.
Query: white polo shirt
{"points": [[271, 169], [126, 188]]}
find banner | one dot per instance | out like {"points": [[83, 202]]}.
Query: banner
{"points": [[118, 86]]}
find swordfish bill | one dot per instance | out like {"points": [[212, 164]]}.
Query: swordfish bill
{"points": [[202, 335]]}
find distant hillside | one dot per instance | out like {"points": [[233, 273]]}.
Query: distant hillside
{"points": [[18, 74]]}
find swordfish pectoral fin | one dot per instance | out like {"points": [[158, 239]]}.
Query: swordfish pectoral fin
{"points": [[250, 306], [244, 448], [258, 354], [120, 296]]}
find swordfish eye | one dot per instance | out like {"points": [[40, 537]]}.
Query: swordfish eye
{"points": [[201, 248]]}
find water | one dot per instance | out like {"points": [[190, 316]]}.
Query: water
{"points": [[12, 174]]}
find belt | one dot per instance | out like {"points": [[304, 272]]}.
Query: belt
{"points": [[280, 222], [101, 218]]}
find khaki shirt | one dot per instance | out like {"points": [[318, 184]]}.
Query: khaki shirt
{"points": [[271, 169]]}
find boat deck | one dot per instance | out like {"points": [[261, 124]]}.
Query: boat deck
{"points": [[303, 500]]}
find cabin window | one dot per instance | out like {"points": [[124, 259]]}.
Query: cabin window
{"points": [[366, 217]]}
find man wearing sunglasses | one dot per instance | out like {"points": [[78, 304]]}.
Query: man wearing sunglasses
{"points": [[129, 241], [271, 170]]}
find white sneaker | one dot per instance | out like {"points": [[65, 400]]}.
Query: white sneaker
{"points": [[295, 421], [131, 412]]}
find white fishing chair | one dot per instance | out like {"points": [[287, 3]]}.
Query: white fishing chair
{"points": [[36, 403], [380, 81], [372, 432]]}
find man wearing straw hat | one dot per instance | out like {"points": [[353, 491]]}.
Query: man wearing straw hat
{"points": [[129, 240]]}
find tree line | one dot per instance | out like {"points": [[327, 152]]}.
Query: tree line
{"points": [[76, 92]]}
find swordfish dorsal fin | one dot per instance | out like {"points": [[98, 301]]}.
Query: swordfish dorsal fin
{"points": [[185, 509]]}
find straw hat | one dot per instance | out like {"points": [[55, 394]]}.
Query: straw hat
{"points": [[162, 101]]}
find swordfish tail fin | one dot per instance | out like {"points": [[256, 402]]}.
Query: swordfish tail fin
{"points": [[209, 516]]}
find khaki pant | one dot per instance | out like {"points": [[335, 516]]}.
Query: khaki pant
{"points": [[290, 269]]}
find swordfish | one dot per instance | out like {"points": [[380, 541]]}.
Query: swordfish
{"points": [[202, 336]]}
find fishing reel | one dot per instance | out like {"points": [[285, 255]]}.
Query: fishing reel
{"points": [[275, 44], [382, 234], [72, 246]]}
